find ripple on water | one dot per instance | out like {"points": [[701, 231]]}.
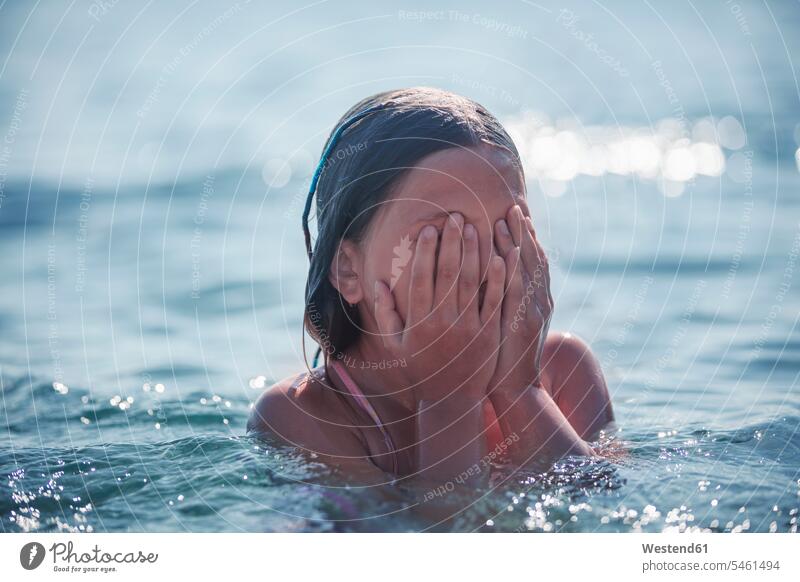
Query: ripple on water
{"points": [[119, 472]]}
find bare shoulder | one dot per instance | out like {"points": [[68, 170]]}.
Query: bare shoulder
{"points": [[302, 411], [566, 358], [574, 377], [567, 348]]}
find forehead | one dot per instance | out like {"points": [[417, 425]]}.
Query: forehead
{"points": [[480, 182]]}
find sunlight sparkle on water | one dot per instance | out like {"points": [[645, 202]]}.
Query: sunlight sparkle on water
{"points": [[668, 152]]}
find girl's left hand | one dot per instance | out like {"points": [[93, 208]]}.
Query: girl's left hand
{"points": [[527, 308]]}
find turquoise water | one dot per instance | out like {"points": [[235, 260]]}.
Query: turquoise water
{"points": [[154, 266]]}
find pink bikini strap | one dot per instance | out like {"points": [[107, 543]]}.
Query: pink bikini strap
{"points": [[365, 404]]}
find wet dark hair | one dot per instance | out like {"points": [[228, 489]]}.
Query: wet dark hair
{"points": [[372, 146]]}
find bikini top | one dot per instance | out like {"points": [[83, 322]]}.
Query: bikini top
{"points": [[493, 432], [365, 405]]}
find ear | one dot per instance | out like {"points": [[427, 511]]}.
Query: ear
{"points": [[345, 272]]}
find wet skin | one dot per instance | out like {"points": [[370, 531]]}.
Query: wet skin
{"points": [[439, 279]]}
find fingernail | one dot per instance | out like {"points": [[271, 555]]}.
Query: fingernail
{"points": [[503, 226], [428, 232], [456, 219], [469, 231]]}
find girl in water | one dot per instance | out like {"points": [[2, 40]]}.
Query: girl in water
{"points": [[429, 295]]}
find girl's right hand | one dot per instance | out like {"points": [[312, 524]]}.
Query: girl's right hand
{"points": [[449, 341]]}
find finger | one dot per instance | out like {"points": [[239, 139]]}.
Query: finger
{"points": [[495, 285], [469, 277], [530, 253], [532, 233], [544, 280], [522, 240], [542, 255], [445, 296], [519, 305], [529, 224], [534, 257], [389, 322], [512, 298], [516, 224], [420, 289], [523, 204], [502, 237]]}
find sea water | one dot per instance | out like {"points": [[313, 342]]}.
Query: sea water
{"points": [[153, 263]]}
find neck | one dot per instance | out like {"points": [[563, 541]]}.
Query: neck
{"points": [[379, 375]]}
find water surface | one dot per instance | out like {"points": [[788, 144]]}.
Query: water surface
{"points": [[154, 266]]}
